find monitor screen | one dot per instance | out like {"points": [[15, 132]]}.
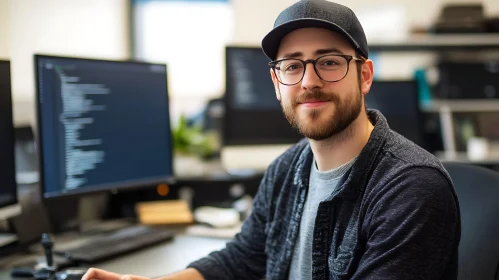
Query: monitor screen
{"points": [[398, 102], [102, 125], [253, 115], [8, 187]]}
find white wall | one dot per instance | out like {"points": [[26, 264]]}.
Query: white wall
{"points": [[4, 29], [90, 28], [253, 19]]}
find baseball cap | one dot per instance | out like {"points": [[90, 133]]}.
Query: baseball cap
{"points": [[320, 14]]}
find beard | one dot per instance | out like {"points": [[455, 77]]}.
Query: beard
{"points": [[309, 123]]}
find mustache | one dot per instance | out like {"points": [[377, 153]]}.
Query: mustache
{"points": [[318, 96]]}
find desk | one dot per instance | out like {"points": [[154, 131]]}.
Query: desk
{"points": [[166, 258], [158, 260]]}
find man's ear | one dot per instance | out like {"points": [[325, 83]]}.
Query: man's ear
{"points": [[276, 85], [367, 74]]}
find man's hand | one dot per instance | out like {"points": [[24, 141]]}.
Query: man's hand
{"points": [[99, 274]]}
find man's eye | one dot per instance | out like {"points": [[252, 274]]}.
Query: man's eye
{"points": [[292, 67], [330, 63]]}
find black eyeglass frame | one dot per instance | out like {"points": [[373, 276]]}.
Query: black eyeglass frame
{"points": [[348, 58]]}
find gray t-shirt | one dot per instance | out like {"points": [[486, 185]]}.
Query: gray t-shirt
{"points": [[322, 184]]}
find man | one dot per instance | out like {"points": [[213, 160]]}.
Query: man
{"points": [[354, 200]]}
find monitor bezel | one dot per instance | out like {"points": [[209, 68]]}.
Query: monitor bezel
{"points": [[112, 188], [13, 208]]}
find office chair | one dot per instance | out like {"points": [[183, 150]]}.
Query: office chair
{"points": [[477, 189]]}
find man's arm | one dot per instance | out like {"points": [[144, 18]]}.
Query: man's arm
{"points": [[412, 228]]}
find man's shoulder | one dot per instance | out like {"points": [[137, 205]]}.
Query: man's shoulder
{"points": [[404, 161], [408, 176], [408, 152]]}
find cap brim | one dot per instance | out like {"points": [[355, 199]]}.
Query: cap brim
{"points": [[271, 41]]}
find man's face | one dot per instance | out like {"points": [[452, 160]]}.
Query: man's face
{"points": [[319, 109]]}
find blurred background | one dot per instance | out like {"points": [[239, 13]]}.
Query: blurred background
{"points": [[181, 33], [436, 80]]}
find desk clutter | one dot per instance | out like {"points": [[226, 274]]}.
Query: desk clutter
{"points": [[169, 212], [207, 221]]}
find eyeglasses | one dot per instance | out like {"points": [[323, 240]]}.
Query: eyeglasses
{"points": [[330, 68]]}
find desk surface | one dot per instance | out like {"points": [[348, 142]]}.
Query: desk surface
{"points": [[165, 258], [158, 260]]}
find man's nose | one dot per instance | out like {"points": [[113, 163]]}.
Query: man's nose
{"points": [[310, 79]]}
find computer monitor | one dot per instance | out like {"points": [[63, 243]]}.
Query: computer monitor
{"points": [[253, 116], [9, 204], [398, 102], [102, 125]]}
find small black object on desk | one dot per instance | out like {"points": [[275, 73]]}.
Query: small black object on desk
{"points": [[48, 244], [49, 271]]}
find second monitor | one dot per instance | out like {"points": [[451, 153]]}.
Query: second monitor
{"points": [[255, 130], [253, 113]]}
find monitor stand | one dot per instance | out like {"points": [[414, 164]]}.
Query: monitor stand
{"points": [[84, 214]]}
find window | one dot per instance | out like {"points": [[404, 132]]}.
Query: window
{"points": [[190, 37]]}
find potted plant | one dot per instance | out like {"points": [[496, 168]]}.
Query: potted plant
{"points": [[192, 147]]}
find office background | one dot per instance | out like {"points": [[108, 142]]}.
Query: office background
{"points": [[180, 33], [104, 29]]}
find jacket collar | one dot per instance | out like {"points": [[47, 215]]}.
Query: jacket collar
{"points": [[361, 170]]}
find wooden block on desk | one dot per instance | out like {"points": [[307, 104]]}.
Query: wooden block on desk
{"points": [[164, 212]]}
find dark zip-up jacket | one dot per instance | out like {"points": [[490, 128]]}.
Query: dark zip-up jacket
{"points": [[395, 216]]}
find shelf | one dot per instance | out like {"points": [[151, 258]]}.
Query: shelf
{"points": [[492, 159], [462, 106], [437, 42]]}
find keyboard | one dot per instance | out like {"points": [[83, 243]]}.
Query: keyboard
{"points": [[117, 243]]}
